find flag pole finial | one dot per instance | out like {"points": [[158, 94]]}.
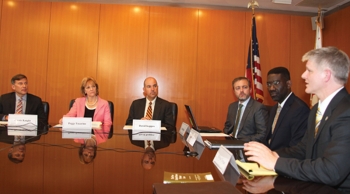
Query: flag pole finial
{"points": [[252, 4]]}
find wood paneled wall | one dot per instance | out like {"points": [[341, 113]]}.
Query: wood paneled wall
{"points": [[193, 53]]}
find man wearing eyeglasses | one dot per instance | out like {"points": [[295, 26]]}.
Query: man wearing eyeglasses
{"points": [[288, 118]]}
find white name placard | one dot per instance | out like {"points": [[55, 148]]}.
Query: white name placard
{"points": [[184, 128], [76, 128], [21, 124], [223, 158], [146, 130], [193, 137]]}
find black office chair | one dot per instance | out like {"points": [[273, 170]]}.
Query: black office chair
{"points": [[174, 112], [47, 112], [111, 108]]}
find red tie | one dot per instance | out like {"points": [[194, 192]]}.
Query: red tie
{"points": [[149, 111], [19, 109]]}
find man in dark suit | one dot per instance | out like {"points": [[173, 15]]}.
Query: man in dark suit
{"points": [[323, 154], [247, 123], [161, 109], [30, 104], [288, 118]]}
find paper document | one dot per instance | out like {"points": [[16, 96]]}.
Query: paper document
{"points": [[253, 168]]}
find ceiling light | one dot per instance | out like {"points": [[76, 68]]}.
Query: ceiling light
{"points": [[282, 1]]}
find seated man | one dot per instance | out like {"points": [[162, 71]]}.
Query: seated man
{"points": [[21, 102], [288, 118], [152, 107], [323, 154], [246, 118]]}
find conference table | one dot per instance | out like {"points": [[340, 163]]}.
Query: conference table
{"points": [[51, 165]]}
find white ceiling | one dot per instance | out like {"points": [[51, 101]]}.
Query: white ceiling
{"points": [[300, 6]]}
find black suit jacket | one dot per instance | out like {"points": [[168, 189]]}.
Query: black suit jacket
{"points": [[291, 124], [253, 123], [34, 106], [324, 158], [162, 111]]}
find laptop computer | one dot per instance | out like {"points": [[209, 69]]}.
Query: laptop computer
{"points": [[200, 129]]}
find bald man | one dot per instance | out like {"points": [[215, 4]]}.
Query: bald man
{"points": [[161, 109]]}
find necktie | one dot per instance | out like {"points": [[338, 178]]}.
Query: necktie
{"points": [[149, 111], [318, 120], [275, 121], [19, 109], [276, 118], [238, 116], [148, 143]]}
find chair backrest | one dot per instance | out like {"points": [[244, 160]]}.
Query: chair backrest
{"points": [[47, 112], [111, 108], [174, 112]]}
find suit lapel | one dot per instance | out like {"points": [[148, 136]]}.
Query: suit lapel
{"points": [[283, 113], [245, 114], [328, 113], [157, 108], [28, 104], [13, 103]]}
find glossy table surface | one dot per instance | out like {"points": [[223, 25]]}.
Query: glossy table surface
{"points": [[51, 165]]}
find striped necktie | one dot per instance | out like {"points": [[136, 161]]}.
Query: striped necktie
{"points": [[149, 111], [318, 120], [19, 108]]}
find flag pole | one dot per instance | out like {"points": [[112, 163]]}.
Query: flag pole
{"points": [[318, 44], [252, 5]]}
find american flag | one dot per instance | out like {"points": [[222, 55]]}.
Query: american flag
{"points": [[253, 70]]}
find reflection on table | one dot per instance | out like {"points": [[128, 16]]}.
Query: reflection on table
{"points": [[17, 143], [148, 159], [51, 165]]}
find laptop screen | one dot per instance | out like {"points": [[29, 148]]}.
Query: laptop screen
{"points": [[191, 117]]}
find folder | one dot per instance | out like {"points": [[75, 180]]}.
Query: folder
{"points": [[254, 169]]}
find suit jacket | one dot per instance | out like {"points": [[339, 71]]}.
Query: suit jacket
{"points": [[162, 111], [324, 158], [34, 106], [291, 124], [102, 112], [165, 140], [253, 123]]}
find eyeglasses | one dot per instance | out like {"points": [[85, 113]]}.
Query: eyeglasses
{"points": [[274, 83]]}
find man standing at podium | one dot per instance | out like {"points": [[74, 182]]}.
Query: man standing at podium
{"points": [[323, 154]]}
